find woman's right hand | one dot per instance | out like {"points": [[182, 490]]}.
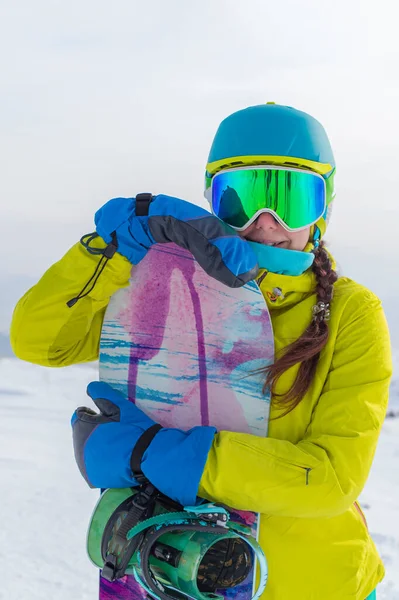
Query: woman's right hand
{"points": [[220, 251]]}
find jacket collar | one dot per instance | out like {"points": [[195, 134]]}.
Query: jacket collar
{"points": [[286, 290]]}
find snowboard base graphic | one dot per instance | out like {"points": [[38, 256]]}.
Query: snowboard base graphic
{"points": [[186, 349]]}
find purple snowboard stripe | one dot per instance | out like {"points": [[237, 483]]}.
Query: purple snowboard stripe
{"points": [[122, 589], [135, 357], [157, 322], [204, 407]]}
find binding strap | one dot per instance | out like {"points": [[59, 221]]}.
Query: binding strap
{"points": [[116, 549]]}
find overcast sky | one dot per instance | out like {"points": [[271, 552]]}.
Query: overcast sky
{"points": [[102, 99]]}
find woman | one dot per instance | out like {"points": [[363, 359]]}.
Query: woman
{"points": [[270, 177]]}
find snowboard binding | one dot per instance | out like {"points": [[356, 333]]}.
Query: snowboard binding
{"points": [[174, 553]]}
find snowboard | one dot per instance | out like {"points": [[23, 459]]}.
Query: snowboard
{"points": [[186, 349]]}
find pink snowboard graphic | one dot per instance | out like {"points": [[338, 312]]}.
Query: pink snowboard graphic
{"points": [[186, 349]]}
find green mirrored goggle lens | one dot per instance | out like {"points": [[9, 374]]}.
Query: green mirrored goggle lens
{"points": [[297, 198]]}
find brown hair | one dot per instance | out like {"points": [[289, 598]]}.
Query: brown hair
{"points": [[306, 349]]}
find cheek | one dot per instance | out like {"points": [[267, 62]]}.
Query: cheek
{"points": [[300, 239], [244, 234]]}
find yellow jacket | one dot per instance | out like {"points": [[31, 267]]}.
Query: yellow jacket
{"points": [[306, 475]]}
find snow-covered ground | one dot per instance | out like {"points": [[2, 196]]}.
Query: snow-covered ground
{"points": [[46, 505]]}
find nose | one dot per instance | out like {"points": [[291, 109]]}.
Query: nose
{"points": [[266, 221]]}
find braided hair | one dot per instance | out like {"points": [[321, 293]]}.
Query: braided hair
{"points": [[306, 349]]}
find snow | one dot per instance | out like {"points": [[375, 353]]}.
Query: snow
{"points": [[46, 505]]}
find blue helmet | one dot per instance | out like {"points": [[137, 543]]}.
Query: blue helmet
{"points": [[274, 135]]}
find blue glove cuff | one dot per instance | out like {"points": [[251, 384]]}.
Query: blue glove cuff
{"points": [[220, 251], [175, 460]]}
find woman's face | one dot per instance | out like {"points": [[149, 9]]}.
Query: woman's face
{"points": [[266, 230]]}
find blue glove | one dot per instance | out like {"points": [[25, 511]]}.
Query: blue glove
{"points": [[109, 444], [215, 245]]}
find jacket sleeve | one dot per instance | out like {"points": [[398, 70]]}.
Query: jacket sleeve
{"points": [[324, 473], [45, 331]]}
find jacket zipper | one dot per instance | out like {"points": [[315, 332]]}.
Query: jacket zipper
{"points": [[307, 474], [284, 462], [359, 510]]}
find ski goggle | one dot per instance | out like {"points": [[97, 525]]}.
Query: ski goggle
{"points": [[294, 197]]}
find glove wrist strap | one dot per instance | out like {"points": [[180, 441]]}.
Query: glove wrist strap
{"points": [[138, 451], [143, 202]]}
